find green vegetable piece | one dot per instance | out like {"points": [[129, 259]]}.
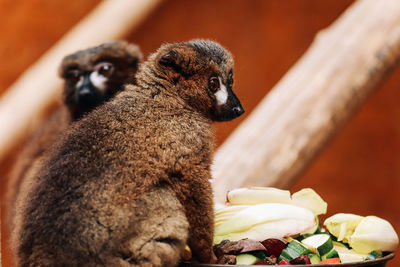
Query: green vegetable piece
{"points": [[319, 244], [331, 254], [259, 254], [246, 259], [293, 250], [340, 244], [314, 258], [373, 255]]}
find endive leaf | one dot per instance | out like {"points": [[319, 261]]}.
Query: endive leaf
{"points": [[265, 220], [309, 199], [258, 195]]}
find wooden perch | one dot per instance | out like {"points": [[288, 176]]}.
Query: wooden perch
{"points": [[22, 106], [329, 84]]}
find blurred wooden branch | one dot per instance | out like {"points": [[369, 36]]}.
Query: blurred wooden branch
{"points": [[310, 104], [25, 101]]}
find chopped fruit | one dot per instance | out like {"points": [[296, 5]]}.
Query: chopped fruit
{"points": [[267, 261], [274, 246], [309, 199], [330, 261], [303, 259], [246, 259], [340, 244], [267, 226], [284, 262], [373, 255], [293, 250], [347, 255], [314, 258], [374, 233], [342, 225], [319, 244], [331, 254]]}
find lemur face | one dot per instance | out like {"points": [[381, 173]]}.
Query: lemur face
{"points": [[89, 86], [203, 73], [227, 106], [94, 75]]}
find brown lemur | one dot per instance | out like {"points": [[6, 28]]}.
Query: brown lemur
{"points": [[129, 184], [91, 77]]}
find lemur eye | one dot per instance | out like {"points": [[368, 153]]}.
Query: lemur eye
{"points": [[230, 79], [213, 84], [73, 75], [105, 69]]}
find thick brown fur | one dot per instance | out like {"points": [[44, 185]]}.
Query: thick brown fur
{"points": [[124, 56], [129, 184]]}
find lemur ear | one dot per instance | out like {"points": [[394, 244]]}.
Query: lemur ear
{"points": [[170, 59], [134, 54]]}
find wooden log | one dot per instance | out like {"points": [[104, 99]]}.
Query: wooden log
{"points": [[22, 107], [309, 105]]}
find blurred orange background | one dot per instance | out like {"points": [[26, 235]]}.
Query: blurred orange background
{"points": [[358, 172]]}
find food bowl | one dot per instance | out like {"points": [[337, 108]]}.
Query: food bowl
{"points": [[381, 262]]}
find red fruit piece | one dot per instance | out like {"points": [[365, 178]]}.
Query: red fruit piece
{"points": [[271, 260], [275, 246], [284, 262], [303, 259]]}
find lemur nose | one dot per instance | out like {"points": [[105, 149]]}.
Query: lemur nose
{"points": [[85, 92], [238, 110]]}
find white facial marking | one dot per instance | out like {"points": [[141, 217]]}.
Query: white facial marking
{"points": [[98, 80], [222, 94], [79, 83]]}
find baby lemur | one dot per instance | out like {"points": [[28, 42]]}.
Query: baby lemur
{"points": [[91, 77], [129, 184]]}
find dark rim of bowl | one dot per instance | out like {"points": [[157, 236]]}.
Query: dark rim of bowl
{"points": [[381, 261]]}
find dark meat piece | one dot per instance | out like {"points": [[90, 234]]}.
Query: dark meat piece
{"points": [[227, 259], [227, 247], [251, 245]]}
